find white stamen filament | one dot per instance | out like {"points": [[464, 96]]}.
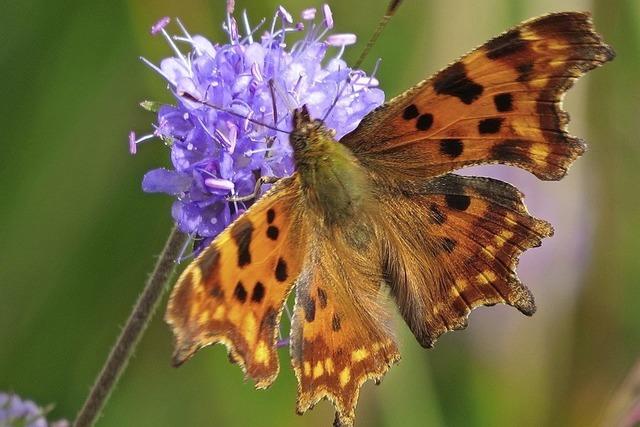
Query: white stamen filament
{"points": [[157, 69], [176, 50], [258, 150], [247, 27], [144, 138], [187, 36], [257, 27]]}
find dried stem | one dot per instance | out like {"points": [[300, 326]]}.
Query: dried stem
{"points": [[130, 335]]}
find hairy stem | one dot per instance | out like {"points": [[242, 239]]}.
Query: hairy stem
{"points": [[130, 335]]}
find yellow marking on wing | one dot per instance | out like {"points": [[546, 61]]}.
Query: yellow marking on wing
{"points": [[219, 313], [345, 377], [438, 308], [204, 317], [250, 328], [540, 152], [262, 353], [509, 219], [318, 370], [461, 284], [328, 365], [490, 275], [196, 274], [503, 237], [235, 313], [359, 354], [481, 279], [307, 369]]}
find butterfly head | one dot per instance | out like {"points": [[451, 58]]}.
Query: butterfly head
{"points": [[309, 135]]}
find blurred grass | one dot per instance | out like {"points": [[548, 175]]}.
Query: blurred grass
{"points": [[79, 236]]}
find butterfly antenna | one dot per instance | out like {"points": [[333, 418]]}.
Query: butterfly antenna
{"points": [[391, 10], [233, 113], [273, 102], [277, 89]]}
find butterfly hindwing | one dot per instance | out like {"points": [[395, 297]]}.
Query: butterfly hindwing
{"points": [[340, 330], [234, 292], [453, 245], [501, 103]]}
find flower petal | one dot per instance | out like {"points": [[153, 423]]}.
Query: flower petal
{"points": [[166, 181]]}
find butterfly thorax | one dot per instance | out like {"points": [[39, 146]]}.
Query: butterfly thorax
{"points": [[333, 181]]}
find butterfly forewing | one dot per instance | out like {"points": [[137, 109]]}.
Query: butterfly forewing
{"points": [[234, 292], [500, 103]]}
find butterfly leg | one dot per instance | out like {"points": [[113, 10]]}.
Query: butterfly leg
{"points": [[256, 191]]}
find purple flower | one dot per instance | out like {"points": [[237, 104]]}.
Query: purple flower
{"points": [[233, 106], [17, 412]]}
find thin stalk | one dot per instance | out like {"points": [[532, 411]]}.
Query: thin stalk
{"points": [[130, 335]]}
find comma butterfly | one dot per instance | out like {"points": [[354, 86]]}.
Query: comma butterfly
{"points": [[380, 209]]}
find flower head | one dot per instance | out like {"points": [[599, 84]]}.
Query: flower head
{"points": [[233, 109], [17, 412]]}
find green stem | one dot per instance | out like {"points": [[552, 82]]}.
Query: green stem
{"points": [[130, 335]]}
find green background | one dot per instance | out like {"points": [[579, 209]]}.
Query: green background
{"points": [[79, 236]]}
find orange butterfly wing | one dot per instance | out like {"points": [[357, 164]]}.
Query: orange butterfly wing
{"points": [[234, 292], [340, 332], [461, 254], [501, 103]]}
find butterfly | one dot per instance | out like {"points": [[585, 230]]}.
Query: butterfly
{"points": [[380, 214]]}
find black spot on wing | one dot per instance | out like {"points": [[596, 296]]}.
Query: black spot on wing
{"points": [[507, 44], [309, 308], [491, 125], [411, 112], [258, 292], [271, 215], [424, 122], [281, 270], [451, 147], [454, 81], [503, 102], [240, 292], [525, 71], [241, 233], [335, 323], [459, 202], [273, 232]]}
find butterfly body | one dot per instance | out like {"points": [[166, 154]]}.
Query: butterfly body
{"points": [[335, 186], [381, 210]]}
